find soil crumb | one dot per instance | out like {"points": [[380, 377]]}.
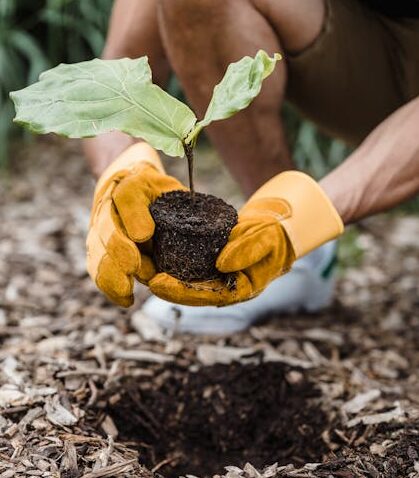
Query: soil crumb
{"points": [[199, 422], [190, 234]]}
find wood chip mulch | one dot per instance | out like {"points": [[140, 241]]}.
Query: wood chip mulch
{"points": [[89, 390]]}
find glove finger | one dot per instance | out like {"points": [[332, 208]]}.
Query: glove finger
{"points": [[263, 272], [116, 285], [249, 243], [132, 204], [133, 196], [147, 270], [107, 229], [276, 263], [214, 292], [112, 258]]}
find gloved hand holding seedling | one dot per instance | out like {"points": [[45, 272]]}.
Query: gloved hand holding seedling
{"points": [[186, 246]]}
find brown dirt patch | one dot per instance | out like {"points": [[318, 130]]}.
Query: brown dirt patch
{"points": [[198, 422]]}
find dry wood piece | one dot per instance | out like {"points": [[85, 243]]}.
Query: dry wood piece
{"points": [[396, 414], [109, 428], [212, 354], [360, 401], [142, 356], [58, 414], [68, 466], [111, 470], [146, 327]]}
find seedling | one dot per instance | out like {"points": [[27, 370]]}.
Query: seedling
{"points": [[93, 97]]}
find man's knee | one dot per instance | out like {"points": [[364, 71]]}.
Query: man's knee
{"points": [[191, 10], [296, 23]]}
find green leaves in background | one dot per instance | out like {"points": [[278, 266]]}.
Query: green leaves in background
{"points": [[242, 82], [88, 98], [75, 30], [38, 34]]}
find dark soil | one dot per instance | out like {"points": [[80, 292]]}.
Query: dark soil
{"points": [[190, 234], [201, 421]]}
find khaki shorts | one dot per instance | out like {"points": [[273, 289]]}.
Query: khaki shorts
{"points": [[361, 68]]}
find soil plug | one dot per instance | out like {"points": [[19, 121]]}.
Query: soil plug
{"points": [[190, 234]]}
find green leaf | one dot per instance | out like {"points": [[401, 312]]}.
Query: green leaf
{"points": [[242, 82], [92, 97]]}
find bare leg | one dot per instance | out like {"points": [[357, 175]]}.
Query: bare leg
{"points": [[202, 38], [133, 32]]}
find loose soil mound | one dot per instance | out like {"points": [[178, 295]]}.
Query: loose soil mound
{"points": [[199, 422], [190, 233]]}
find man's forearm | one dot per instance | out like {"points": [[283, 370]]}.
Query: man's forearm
{"points": [[383, 172]]}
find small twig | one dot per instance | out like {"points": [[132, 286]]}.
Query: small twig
{"points": [[142, 356], [80, 372], [93, 394], [11, 410], [80, 439], [164, 462]]}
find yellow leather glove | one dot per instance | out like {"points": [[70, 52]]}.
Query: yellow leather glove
{"points": [[120, 218], [285, 219]]}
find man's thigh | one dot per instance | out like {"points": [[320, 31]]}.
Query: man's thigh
{"points": [[355, 73]]}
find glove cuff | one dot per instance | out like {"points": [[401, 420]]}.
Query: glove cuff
{"points": [[312, 219], [129, 160]]}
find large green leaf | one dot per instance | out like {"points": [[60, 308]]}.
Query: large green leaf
{"points": [[92, 97], [242, 82]]}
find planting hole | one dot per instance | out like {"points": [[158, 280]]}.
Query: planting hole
{"points": [[197, 422]]}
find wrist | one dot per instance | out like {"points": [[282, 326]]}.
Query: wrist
{"points": [[130, 160], [102, 150], [339, 186], [340, 197]]}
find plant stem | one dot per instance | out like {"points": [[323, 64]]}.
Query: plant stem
{"points": [[189, 156]]}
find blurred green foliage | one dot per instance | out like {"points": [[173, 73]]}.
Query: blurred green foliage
{"points": [[350, 253], [313, 151], [38, 34]]}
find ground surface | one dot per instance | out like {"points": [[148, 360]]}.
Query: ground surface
{"points": [[87, 389]]}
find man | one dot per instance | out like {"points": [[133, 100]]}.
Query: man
{"points": [[351, 66]]}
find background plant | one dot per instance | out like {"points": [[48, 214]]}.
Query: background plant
{"points": [[38, 34]]}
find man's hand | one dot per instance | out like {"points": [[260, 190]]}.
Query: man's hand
{"points": [[285, 219], [121, 225]]}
